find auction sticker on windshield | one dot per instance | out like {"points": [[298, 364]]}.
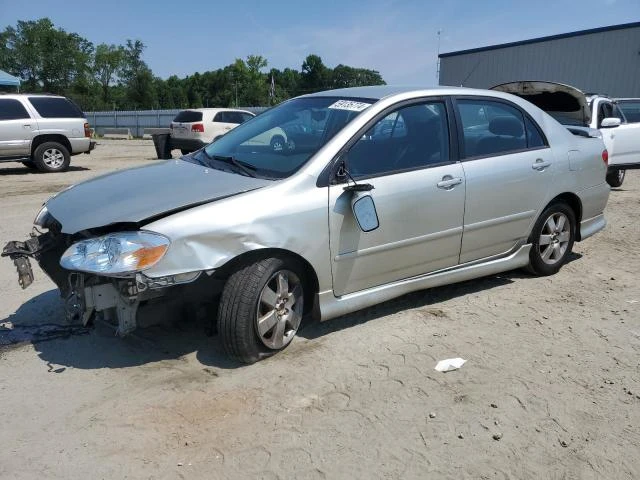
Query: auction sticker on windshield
{"points": [[349, 105]]}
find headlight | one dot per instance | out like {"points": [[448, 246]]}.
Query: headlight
{"points": [[41, 217], [116, 253]]}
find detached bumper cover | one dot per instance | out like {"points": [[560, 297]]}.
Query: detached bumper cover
{"points": [[20, 252]]}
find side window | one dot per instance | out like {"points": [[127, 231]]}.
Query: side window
{"points": [[245, 117], [11, 109], [631, 110], [412, 137], [491, 128], [55, 107], [534, 137], [605, 110], [617, 113], [220, 117], [234, 117]]}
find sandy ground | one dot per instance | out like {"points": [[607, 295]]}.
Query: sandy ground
{"points": [[551, 388]]}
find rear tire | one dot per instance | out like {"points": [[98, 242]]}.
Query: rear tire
{"points": [[615, 178], [261, 309], [552, 239], [51, 157]]}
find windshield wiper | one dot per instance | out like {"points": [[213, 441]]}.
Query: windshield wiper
{"points": [[247, 169]]}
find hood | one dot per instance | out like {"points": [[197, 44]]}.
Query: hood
{"points": [[144, 192], [565, 103]]}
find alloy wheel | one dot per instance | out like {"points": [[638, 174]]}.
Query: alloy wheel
{"points": [[554, 238], [279, 309], [53, 158]]}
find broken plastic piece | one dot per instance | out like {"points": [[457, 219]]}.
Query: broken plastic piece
{"points": [[450, 364]]}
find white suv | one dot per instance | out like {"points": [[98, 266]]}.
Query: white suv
{"points": [[194, 128], [42, 131]]}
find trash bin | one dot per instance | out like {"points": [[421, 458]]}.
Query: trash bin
{"points": [[162, 142]]}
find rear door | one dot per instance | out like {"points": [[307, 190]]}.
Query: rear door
{"points": [[419, 197], [17, 128], [223, 122], [508, 167]]}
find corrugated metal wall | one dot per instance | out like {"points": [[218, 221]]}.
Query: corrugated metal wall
{"points": [[605, 62], [138, 120]]}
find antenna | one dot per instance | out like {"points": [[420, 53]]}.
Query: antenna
{"points": [[438, 58], [471, 72]]}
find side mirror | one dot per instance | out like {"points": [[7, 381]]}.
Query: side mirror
{"points": [[610, 122], [364, 209]]}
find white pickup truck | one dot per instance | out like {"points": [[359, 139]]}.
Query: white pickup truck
{"points": [[580, 112]]}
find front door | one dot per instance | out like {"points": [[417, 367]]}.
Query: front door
{"points": [[16, 128], [419, 194]]}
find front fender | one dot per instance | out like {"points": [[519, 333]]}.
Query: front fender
{"points": [[290, 215]]}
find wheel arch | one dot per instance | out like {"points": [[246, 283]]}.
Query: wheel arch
{"points": [[310, 275], [40, 139], [575, 203]]}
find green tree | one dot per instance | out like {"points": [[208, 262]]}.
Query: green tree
{"points": [[107, 62], [344, 76], [137, 77], [46, 58], [315, 75]]}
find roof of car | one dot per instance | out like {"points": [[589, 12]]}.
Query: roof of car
{"points": [[216, 110], [15, 94], [378, 92]]}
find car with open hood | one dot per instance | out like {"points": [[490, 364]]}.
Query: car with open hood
{"points": [[581, 112], [388, 190]]}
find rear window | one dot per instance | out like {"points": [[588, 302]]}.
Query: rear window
{"points": [[52, 107], [188, 116]]}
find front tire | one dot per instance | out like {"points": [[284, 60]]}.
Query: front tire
{"points": [[51, 157], [261, 309], [552, 239], [615, 178]]}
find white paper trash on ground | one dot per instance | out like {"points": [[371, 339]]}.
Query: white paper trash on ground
{"points": [[450, 364]]}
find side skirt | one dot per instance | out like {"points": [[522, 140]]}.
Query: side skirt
{"points": [[332, 306]]}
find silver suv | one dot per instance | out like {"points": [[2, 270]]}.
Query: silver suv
{"points": [[42, 131]]}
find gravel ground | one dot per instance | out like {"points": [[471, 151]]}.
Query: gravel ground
{"points": [[551, 388]]}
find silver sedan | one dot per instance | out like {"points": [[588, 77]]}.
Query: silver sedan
{"points": [[379, 191]]}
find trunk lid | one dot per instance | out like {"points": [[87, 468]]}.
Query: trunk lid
{"points": [[565, 103]]}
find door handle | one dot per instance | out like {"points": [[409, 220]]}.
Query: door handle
{"points": [[26, 125], [540, 165], [448, 182]]}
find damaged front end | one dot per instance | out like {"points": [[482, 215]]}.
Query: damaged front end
{"points": [[103, 275]]}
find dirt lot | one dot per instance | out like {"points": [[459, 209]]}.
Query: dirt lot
{"points": [[551, 388]]}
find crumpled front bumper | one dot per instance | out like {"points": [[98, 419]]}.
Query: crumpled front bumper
{"points": [[84, 294]]}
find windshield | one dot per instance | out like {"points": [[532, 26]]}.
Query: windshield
{"points": [[279, 141]]}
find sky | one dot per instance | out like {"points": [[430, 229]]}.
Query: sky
{"points": [[399, 38]]}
